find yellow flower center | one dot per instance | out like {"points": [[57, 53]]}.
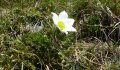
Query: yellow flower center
{"points": [[61, 25]]}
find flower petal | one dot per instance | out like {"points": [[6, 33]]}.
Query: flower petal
{"points": [[55, 17], [70, 29], [63, 15], [69, 22], [73, 29], [64, 32]]}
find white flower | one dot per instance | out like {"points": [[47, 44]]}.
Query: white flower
{"points": [[64, 23]]}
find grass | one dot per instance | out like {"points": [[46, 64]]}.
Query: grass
{"points": [[95, 45]]}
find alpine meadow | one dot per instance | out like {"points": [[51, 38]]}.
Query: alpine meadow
{"points": [[59, 34]]}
